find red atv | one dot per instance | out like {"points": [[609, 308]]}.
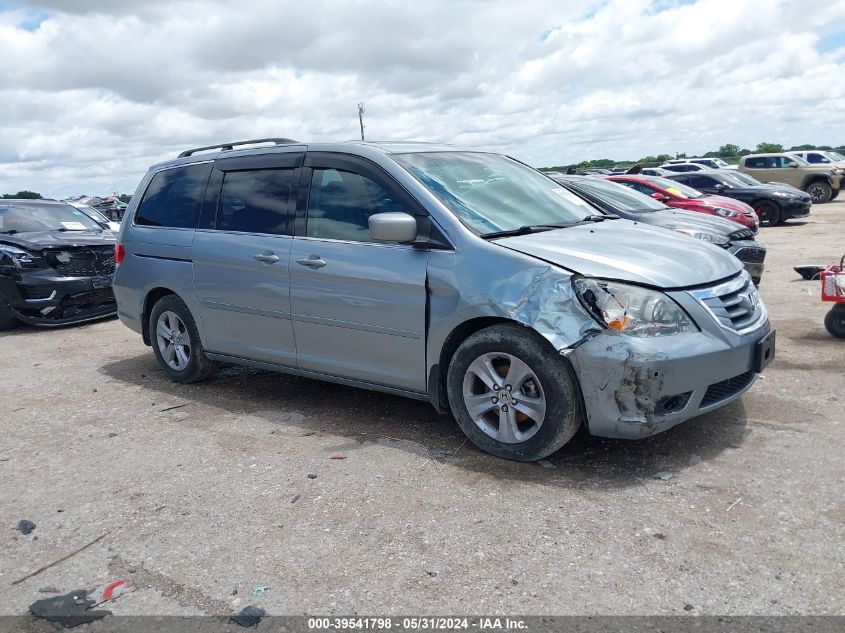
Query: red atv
{"points": [[833, 289]]}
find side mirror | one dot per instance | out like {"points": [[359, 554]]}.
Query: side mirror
{"points": [[719, 187], [393, 227], [660, 196], [795, 165]]}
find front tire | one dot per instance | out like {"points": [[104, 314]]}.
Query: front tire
{"points": [[834, 321], [768, 212], [819, 191], [7, 319], [176, 342], [512, 395]]}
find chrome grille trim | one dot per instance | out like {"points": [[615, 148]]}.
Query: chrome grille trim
{"points": [[734, 304]]}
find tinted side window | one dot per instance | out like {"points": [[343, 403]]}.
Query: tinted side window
{"points": [[700, 181], [758, 162], [174, 197], [340, 204], [255, 201], [815, 158]]}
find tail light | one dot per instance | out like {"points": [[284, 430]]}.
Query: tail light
{"points": [[119, 253]]}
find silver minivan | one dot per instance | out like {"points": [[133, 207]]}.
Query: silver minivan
{"points": [[461, 277]]}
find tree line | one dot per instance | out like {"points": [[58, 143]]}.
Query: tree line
{"points": [[728, 152]]}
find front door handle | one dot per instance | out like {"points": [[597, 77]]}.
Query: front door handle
{"points": [[312, 261], [266, 258]]}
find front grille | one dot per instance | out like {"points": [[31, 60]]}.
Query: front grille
{"points": [[723, 390], [742, 234], [752, 255], [82, 262], [735, 304]]}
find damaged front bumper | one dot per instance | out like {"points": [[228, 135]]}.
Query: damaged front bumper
{"points": [[40, 297], [636, 387]]}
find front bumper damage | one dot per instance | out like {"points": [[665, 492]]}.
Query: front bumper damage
{"points": [[636, 387], [42, 297]]}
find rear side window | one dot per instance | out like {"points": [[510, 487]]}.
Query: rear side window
{"points": [[255, 201], [756, 163], [700, 181], [174, 197]]}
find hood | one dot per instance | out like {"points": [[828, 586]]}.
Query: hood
{"points": [[676, 219], [38, 240], [629, 251]]}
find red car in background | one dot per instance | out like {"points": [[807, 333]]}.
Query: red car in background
{"points": [[680, 196]]}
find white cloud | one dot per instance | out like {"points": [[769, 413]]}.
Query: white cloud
{"points": [[94, 91]]}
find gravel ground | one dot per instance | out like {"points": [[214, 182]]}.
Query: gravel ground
{"points": [[206, 491]]}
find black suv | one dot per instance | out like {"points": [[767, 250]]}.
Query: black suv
{"points": [[773, 203], [56, 265], [627, 203]]}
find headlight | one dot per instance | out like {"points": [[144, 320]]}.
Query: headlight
{"points": [[632, 310], [725, 213], [783, 194], [20, 258], [713, 238]]}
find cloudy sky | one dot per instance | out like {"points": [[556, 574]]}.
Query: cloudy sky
{"points": [[94, 91]]}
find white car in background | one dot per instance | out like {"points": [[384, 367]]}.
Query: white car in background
{"points": [[95, 215]]}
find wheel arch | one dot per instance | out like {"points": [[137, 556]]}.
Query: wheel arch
{"points": [[151, 298], [811, 178], [460, 333]]}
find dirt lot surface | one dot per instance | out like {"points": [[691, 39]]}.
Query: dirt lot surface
{"points": [[208, 490]]}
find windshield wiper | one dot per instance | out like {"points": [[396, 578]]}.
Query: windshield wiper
{"points": [[525, 230], [600, 218]]}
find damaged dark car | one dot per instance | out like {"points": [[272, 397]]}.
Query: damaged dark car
{"points": [[56, 265]]}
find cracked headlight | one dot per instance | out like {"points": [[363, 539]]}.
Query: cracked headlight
{"points": [[18, 256], [632, 310], [713, 238]]}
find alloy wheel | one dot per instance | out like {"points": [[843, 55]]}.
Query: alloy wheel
{"points": [[504, 398], [174, 341]]}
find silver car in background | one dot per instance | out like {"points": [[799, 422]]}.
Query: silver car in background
{"points": [[465, 278]]}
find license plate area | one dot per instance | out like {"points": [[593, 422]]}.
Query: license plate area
{"points": [[764, 352], [101, 281]]}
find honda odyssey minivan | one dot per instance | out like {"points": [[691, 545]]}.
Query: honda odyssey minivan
{"points": [[461, 277]]}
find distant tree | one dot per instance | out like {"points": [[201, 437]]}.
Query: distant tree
{"points": [[26, 195], [712, 155], [801, 148], [663, 157], [125, 198], [681, 155], [745, 152], [728, 149], [764, 148]]}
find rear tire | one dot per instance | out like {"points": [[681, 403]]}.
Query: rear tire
{"points": [[834, 321], [512, 395], [819, 191], [768, 212], [176, 342], [8, 320]]}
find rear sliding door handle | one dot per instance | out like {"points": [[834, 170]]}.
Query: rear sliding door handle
{"points": [[312, 261], [266, 258]]}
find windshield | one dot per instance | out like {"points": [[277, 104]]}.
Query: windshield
{"points": [[742, 179], [618, 196], [836, 156], [798, 160], [43, 217], [490, 193], [676, 188]]}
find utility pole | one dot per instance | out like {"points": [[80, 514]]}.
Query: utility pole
{"points": [[361, 118]]}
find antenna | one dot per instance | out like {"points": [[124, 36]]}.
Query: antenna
{"points": [[361, 118]]}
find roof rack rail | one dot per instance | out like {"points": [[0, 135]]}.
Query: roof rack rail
{"points": [[227, 146]]}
